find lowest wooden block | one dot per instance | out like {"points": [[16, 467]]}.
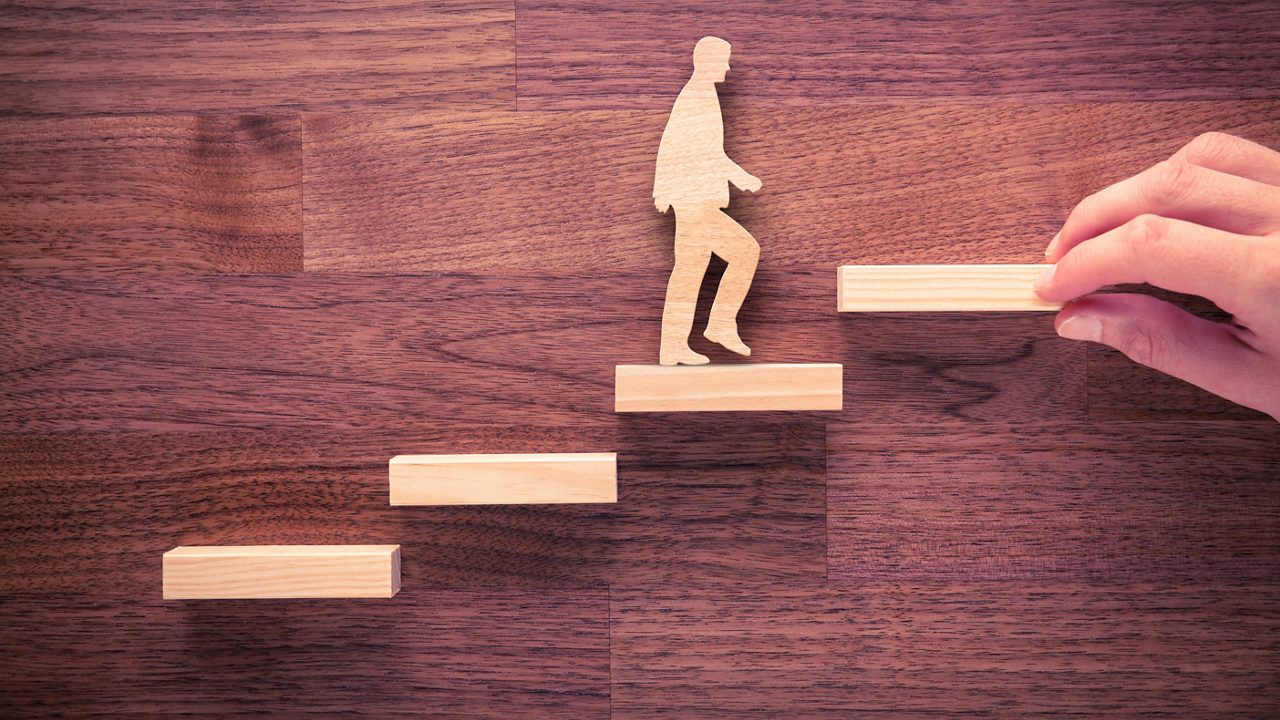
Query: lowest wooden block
{"points": [[757, 386], [939, 288], [282, 571], [516, 479]]}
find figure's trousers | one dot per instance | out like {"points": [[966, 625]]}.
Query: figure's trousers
{"points": [[701, 231]]}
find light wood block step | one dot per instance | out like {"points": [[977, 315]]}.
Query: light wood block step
{"points": [[518, 479], [281, 571], [746, 387], [939, 288]]}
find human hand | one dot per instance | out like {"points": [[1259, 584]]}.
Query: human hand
{"points": [[751, 183], [1204, 222], [662, 205]]}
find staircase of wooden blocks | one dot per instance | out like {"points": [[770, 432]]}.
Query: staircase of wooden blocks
{"points": [[373, 571]]}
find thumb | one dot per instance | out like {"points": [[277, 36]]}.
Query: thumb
{"points": [[1162, 336]]}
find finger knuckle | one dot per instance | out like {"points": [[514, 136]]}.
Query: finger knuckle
{"points": [[1208, 148], [1145, 232], [1169, 181]]}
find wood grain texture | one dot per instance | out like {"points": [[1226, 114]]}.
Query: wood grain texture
{"points": [[1116, 504], [733, 500], [339, 352], [939, 288], [152, 56], [576, 55], [438, 654], [751, 387], [352, 352], [935, 183], [922, 368], [225, 572], [172, 193], [503, 479], [989, 649], [1014, 525]]}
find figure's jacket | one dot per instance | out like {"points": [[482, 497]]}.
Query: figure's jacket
{"points": [[692, 166]]}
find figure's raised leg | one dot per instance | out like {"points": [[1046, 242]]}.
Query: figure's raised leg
{"points": [[682, 303], [741, 251]]}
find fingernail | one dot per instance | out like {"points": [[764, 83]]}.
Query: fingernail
{"points": [[1045, 278], [1048, 252], [1081, 327]]}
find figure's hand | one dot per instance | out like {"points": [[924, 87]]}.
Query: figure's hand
{"points": [[662, 205], [1204, 222], [740, 178]]}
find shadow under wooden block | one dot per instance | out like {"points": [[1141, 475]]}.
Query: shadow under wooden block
{"points": [[939, 288], [281, 571], [753, 387], [511, 479], [930, 367]]}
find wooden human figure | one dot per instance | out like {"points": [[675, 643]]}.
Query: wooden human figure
{"points": [[692, 177]]}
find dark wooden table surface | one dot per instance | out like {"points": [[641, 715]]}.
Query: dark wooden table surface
{"points": [[251, 253]]}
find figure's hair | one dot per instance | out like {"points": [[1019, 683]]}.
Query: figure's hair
{"points": [[710, 49]]}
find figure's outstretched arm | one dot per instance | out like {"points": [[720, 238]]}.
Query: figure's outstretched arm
{"points": [[741, 179]]}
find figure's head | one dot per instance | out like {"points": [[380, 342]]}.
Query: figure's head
{"points": [[711, 58]]}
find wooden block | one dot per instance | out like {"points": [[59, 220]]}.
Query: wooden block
{"points": [[282, 571], [516, 479], [681, 388], [939, 288]]}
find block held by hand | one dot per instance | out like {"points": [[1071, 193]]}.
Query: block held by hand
{"points": [[940, 288]]}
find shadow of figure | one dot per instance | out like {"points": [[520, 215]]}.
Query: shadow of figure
{"points": [[692, 177]]}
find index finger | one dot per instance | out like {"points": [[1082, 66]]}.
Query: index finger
{"points": [[1174, 189], [1171, 254]]}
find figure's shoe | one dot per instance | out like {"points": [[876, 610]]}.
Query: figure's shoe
{"points": [[727, 335], [683, 356]]}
